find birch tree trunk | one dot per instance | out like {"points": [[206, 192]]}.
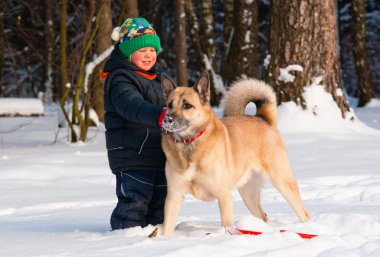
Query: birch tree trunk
{"points": [[303, 44], [48, 52], [181, 47], [366, 90]]}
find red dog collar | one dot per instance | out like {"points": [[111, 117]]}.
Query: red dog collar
{"points": [[190, 140]]}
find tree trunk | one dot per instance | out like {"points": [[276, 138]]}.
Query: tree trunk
{"points": [[62, 48], [151, 10], [2, 47], [103, 42], [207, 28], [64, 88], [242, 59], [80, 95], [194, 33], [366, 90], [202, 58], [228, 29], [304, 46], [48, 52], [181, 59], [89, 39], [77, 118], [128, 9], [247, 34]]}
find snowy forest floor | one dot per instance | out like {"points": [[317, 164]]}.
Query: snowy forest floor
{"points": [[56, 198]]}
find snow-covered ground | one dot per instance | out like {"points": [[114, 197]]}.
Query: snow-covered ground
{"points": [[56, 197]]}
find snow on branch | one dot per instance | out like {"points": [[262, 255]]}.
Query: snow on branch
{"points": [[91, 65]]}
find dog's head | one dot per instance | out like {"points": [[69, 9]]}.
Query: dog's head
{"points": [[188, 108]]}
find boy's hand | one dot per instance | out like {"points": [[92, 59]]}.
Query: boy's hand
{"points": [[161, 117]]}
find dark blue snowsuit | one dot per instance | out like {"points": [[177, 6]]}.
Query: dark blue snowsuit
{"points": [[133, 104]]}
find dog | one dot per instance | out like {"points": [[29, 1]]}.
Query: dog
{"points": [[208, 157]]}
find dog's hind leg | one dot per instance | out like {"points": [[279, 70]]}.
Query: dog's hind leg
{"points": [[282, 178], [250, 192]]}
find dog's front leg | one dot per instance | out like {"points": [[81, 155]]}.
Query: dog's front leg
{"points": [[225, 208], [173, 204]]}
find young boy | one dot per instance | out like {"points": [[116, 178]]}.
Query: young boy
{"points": [[134, 109]]}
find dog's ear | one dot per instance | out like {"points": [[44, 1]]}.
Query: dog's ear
{"points": [[167, 85], [203, 87]]}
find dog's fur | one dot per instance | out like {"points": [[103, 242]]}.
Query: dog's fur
{"points": [[235, 151]]}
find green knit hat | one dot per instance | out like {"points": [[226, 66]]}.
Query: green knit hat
{"points": [[135, 34]]}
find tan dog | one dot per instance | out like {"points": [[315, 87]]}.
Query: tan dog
{"points": [[208, 156]]}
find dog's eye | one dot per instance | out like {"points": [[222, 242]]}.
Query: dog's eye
{"points": [[187, 106], [170, 105]]}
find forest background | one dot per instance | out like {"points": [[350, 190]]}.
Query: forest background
{"points": [[55, 50]]}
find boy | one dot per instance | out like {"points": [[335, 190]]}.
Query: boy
{"points": [[134, 109]]}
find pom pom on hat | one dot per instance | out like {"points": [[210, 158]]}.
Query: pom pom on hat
{"points": [[116, 34], [135, 34]]}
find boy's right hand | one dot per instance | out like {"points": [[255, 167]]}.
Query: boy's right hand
{"points": [[161, 117]]}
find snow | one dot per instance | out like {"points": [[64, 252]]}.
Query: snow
{"points": [[321, 110], [21, 106], [218, 82], [267, 60], [286, 76], [57, 197]]}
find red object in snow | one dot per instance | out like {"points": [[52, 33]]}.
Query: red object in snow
{"points": [[250, 232]]}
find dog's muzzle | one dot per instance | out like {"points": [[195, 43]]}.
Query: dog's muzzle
{"points": [[173, 124]]}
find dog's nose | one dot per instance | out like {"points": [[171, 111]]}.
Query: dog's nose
{"points": [[169, 119]]}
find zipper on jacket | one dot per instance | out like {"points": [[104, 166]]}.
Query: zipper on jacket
{"points": [[146, 138]]}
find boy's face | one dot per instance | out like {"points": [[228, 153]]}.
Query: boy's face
{"points": [[144, 58]]}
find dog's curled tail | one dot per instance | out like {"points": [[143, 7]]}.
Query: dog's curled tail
{"points": [[245, 91]]}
